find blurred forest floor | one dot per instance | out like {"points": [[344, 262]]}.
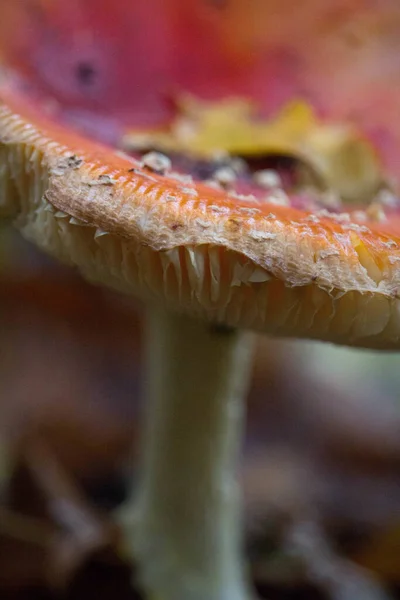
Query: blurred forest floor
{"points": [[320, 470]]}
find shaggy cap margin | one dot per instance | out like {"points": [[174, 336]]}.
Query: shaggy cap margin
{"points": [[199, 250]]}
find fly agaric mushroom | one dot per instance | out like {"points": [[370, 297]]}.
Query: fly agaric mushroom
{"points": [[211, 264], [211, 260]]}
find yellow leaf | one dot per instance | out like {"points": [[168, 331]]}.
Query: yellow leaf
{"points": [[339, 158]]}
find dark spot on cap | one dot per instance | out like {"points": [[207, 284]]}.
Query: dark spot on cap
{"points": [[85, 73], [176, 226]]}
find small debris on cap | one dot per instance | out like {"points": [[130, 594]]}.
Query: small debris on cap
{"points": [[261, 236], [202, 223], [243, 197], [189, 191], [387, 198], [278, 197], [222, 158], [102, 180], [267, 178], [249, 211], [376, 212], [218, 209], [157, 162], [390, 244], [356, 227], [239, 165], [359, 215], [339, 217], [211, 183], [312, 218], [322, 254], [330, 199], [225, 176], [68, 162], [74, 162]]}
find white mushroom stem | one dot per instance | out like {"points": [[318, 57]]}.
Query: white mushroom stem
{"points": [[187, 538]]}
